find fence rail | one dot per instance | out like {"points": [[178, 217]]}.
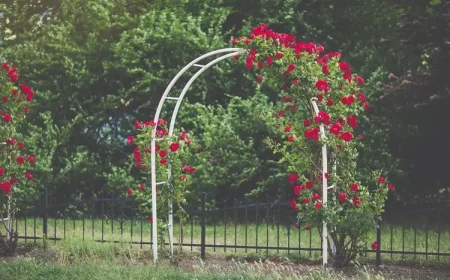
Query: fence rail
{"points": [[260, 227]]}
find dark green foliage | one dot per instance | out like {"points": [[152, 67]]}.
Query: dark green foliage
{"points": [[98, 65]]}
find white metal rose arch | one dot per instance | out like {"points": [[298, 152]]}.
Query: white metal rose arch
{"points": [[226, 53]]}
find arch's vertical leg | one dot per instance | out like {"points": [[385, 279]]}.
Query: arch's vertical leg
{"points": [[153, 135], [324, 190], [333, 245]]}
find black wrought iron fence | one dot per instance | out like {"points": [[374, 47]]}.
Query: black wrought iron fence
{"points": [[258, 226]]}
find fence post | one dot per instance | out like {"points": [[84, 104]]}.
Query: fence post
{"points": [[378, 260], [203, 237], [45, 218]]}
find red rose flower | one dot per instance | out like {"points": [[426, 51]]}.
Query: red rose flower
{"points": [[20, 145], [129, 191], [325, 69], [354, 187], [28, 176], [318, 205], [347, 100], [287, 99], [249, 63], [269, 60], [2, 171], [31, 159], [291, 138], [260, 64], [13, 181], [174, 147], [7, 118], [5, 187], [347, 136], [352, 121], [141, 187], [293, 204], [381, 180], [335, 128], [5, 66], [130, 139], [374, 245], [323, 117], [182, 177], [183, 135], [362, 97], [279, 55], [360, 81], [137, 125], [162, 153], [296, 226], [308, 227], [315, 197], [150, 219], [342, 197], [13, 76], [297, 190], [291, 67], [287, 128], [391, 187], [5, 99], [322, 60], [366, 106], [345, 67], [191, 170], [330, 102], [11, 141], [163, 161], [306, 123], [322, 85], [26, 109], [20, 159], [259, 79], [309, 185], [293, 177], [305, 201], [295, 82]]}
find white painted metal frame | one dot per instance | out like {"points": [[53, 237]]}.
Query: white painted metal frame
{"points": [[229, 53], [8, 213], [324, 188]]}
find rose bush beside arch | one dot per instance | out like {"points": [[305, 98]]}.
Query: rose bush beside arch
{"points": [[304, 73], [172, 153], [15, 162]]}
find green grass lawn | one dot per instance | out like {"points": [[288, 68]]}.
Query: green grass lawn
{"points": [[394, 238], [77, 260], [30, 270]]}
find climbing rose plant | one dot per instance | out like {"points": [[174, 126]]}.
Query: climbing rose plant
{"points": [[15, 162], [304, 72], [171, 151]]}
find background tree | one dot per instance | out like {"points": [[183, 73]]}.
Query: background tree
{"points": [[417, 101], [99, 65]]}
